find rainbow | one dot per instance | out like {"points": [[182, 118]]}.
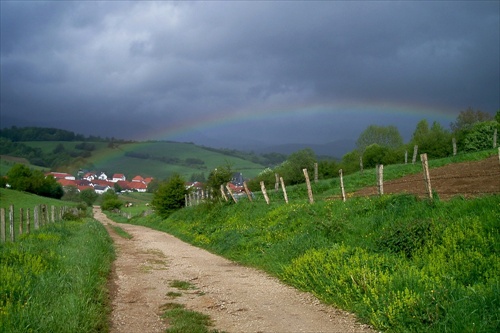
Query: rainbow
{"points": [[385, 111], [413, 112]]}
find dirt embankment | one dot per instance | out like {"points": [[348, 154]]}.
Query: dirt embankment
{"points": [[237, 298]]}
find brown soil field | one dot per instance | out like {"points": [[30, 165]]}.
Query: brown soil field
{"points": [[467, 179]]}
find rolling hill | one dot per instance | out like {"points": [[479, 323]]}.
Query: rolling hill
{"points": [[158, 159]]}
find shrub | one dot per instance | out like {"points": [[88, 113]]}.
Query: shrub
{"points": [[170, 196]]}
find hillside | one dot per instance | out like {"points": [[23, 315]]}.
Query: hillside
{"points": [[157, 159]]}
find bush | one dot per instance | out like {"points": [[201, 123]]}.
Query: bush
{"points": [[110, 201], [170, 196]]}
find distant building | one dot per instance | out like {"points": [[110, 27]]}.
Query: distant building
{"points": [[237, 179]]}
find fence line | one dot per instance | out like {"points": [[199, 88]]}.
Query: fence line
{"points": [[41, 217], [193, 199]]}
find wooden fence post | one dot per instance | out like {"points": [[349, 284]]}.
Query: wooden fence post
{"points": [[308, 183], [361, 164], [380, 179], [415, 150], [247, 191], [223, 192], [36, 216], [427, 177], [231, 193], [342, 190], [46, 215], [406, 156], [21, 222], [11, 223], [495, 138], [53, 213], [454, 142], [28, 222], [284, 189], [186, 200], [263, 189], [2, 225], [315, 172]]}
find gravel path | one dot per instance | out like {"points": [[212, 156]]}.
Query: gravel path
{"points": [[237, 298]]}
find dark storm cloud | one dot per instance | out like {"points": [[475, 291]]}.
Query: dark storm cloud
{"points": [[88, 66]]}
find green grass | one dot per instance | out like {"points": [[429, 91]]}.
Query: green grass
{"points": [[120, 232], [25, 201], [174, 294], [400, 263], [182, 320], [113, 160], [54, 280], [182, 285]]}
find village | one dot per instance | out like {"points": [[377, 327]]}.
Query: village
{"points": [[101, 183]]}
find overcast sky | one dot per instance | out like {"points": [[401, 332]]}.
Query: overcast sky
{"points": [[240, 71]]}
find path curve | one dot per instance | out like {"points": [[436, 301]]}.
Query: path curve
{"points": [[237, 298]]}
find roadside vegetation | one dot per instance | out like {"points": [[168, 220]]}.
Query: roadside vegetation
{"points": [[401, 263], [54, 279]]}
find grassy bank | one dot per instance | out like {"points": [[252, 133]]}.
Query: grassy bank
{"points": [[54, 279], [400, 263]]}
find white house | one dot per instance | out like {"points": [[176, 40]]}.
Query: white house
{"points": [[118, 177], [103, 176], [100, 189]]}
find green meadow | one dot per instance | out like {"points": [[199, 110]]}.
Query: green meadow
{"points": [[54, 279], [400, 263], [118, 158]]}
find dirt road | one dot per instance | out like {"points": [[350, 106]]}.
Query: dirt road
{"points": [[237, 298]]}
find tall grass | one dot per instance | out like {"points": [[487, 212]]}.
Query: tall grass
{"points": [[54, 279], [401, 263]]}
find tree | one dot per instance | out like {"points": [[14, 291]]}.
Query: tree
{"points": [[19, 177], [153, 186], [420, 134], [71, 193], [350, 162], [219, 176], [436, 141], [466, 119], [88, 196], [480, 136], [327, 169], [110, 201], [385, 136], [22, 178], [170, 196], [291, 169]]}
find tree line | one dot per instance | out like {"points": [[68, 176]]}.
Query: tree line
{"points": [[472, 130]]}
